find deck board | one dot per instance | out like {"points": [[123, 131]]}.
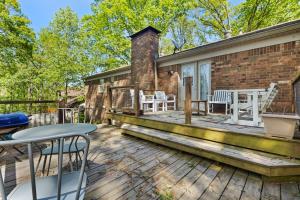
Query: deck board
{"points": [[124, 167]]}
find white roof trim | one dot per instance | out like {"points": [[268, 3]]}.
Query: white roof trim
{"points": [[109, 75], [234, 49]]}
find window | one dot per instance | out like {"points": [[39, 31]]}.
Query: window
{"points": [[101, 86]]}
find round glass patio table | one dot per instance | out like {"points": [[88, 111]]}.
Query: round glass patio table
{"points": [[41, 132]]}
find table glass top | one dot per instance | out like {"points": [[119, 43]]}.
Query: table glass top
{"points": [[53, 130]]}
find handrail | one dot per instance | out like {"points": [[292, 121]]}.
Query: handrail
{"points": [[27, 101], [121, 87]]}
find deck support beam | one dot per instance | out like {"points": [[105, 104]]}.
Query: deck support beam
{"points": [[188, 100]]}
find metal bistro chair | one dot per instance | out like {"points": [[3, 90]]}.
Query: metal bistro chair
{"points": [[71, 147], [67, 186]]}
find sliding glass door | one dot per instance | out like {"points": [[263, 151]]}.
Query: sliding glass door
{"points": [[204, 71]]}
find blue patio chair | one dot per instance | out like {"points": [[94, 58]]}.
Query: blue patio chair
{"points": [[70, 147], [69, 186]]}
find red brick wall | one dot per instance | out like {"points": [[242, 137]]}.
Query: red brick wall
{"points": [[98, 101], [144, 48], [257, 68], [168, 79]]}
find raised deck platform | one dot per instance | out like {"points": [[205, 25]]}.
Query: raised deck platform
{"points": [[220, 139], [124, 167]]}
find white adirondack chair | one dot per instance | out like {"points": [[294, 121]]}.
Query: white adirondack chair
{"points": [[162, 99], [145, 100], [219, 97], [264, 102], [268, 98]]}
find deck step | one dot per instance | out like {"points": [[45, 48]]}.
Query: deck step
{"points": [[263, 163]]}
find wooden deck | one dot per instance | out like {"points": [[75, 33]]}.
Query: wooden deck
{"points": [[124, 167]]}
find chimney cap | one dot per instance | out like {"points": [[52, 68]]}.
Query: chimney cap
{"points": [[149, 28]]}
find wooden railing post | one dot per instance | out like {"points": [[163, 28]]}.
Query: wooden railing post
{"points": [[109, 101], [137, 100], [188, 100], [109, 97]]}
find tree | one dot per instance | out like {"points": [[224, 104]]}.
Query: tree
{"points": [[215, 17], [61, 51], [16, 44], [16, 37], [112, 21], [256, 14]]}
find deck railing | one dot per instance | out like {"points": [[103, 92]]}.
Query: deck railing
{"points": [[40, 112], [45, 112], [136, 101]]}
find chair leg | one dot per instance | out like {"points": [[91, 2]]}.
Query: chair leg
{"points": [[18, 150], [49, 164], [76, 160], [38, 164], [44, 164], [226, 109]]}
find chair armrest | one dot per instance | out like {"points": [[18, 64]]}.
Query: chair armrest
{"points": [[149, 97]]}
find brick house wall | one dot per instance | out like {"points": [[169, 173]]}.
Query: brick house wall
{"points": [[144, 48], [96, 102], [168, 79], [254, 68], [257, 68]]}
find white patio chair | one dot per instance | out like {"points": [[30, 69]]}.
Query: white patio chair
{"points": [[219, 97], [171, 99], [160, 99], [146, 101]]}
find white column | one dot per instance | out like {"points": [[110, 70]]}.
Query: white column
{"points": [[235, 116], [255, 108]]}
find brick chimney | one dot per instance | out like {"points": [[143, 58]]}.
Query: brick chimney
{"points": [[144, 47]]}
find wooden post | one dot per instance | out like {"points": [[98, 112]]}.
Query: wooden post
{"points": [[109, 101], [137, 100], [188, 100], [60, 112], [109, 97]]}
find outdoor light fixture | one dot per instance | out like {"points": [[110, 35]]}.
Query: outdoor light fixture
{"points": [[170, 72]]}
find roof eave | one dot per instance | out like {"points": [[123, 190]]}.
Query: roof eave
{"points": [[260, 34]]}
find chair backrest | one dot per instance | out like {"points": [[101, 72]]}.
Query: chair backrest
{"points": [[132, 93], [35, 189], [269, 97], [160, 95], [221, 96]]}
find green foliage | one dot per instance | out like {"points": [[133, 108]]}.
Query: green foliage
{"points": [[16, 38], [256, 14], [214, 16], [112, 21]]}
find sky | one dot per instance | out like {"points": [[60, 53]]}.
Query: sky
{"points": [[40, 12]]}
